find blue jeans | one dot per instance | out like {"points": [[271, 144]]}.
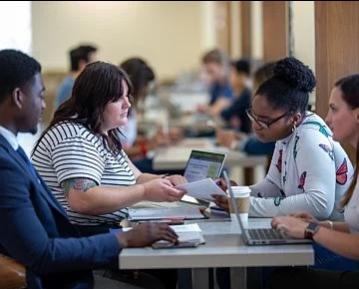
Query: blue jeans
{"points": [[326, 259]]}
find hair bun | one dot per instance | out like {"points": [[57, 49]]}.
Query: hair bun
{"points": [[295, 73]]}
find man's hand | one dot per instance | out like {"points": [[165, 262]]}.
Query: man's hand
{"points": [[146, 234]]}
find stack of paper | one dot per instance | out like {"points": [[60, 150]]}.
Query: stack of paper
{"points": [[189, 236], [189, 232]]}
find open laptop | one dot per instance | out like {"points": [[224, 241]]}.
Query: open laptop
{"points": [[260, 236], [204, 164]]}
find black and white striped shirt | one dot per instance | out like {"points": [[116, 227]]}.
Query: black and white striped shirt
{"points": [[70, 150]]}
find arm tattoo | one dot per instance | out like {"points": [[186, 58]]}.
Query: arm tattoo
{"points": [[77, 184]]}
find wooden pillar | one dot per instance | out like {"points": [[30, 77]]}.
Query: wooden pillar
{"points": [[336, 48], [245, 18], [275, 30]]}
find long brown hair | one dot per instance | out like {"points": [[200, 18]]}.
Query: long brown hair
{"points": [[349, 87], [98, 84], [140, 75]]}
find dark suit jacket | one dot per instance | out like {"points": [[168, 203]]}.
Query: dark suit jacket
{"points": [[35, 230]]}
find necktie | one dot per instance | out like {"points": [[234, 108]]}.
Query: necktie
{"points": [[29, 165]]}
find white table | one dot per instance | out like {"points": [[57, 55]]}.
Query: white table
{"points": [[223, 248]]}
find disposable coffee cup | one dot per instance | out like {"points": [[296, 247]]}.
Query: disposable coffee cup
{"points": [[242, 201]]}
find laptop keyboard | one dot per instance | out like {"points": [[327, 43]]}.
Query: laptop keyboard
{"points": [[265, 234]]}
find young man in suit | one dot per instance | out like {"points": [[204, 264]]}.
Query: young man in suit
{"points": [[34, 228]]}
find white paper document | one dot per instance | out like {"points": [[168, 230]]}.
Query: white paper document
{"points": [[186, 228], [188, 232], [202, 189]]}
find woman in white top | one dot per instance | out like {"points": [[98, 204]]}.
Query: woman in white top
{"points": [[80, 156], [339, 237], [137, 146], [309, 171]]}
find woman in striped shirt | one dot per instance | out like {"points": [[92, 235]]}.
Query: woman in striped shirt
{"points": [[81, 159]]}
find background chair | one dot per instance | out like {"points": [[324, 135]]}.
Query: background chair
{"points": [[12, 274]]}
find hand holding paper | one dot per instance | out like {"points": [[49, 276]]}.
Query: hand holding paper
{"points": [[202, 189]]}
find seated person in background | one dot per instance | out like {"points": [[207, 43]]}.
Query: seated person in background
{"points": [[215, 66], [235, 115], [79, 58], [249, 144], [34, 228], [309, 171], [136, 147], [81, 158], [141, 76], [339, 237]]}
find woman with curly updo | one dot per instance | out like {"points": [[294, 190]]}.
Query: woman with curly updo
{"points": [[309, 171]]}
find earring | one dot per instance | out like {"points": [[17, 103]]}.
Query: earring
{"points": [[294, 127]]}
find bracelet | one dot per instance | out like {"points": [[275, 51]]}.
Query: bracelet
{"points": [[331, 225]]}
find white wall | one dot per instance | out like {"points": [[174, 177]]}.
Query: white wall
{"points": [[304, 35], [208, 33], [18, 34], [236, 49], [168, 34], [257, 29], [304, 32]]}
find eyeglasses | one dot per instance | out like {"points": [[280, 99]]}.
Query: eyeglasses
{"points": [[263, 124]]}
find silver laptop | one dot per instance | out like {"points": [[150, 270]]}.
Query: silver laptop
{"points": [[204, 164], [260, 236]]}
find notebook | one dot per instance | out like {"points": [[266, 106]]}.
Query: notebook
{"points": [[189, 236], [182, 212]]}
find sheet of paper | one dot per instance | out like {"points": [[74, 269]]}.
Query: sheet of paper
{"points": [[186, 228], [202, 189]]}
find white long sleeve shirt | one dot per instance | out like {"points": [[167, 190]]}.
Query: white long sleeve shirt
{"points": [[309, 172]]}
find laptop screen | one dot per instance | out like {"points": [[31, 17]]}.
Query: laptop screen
{"points": [[203, 164]]}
